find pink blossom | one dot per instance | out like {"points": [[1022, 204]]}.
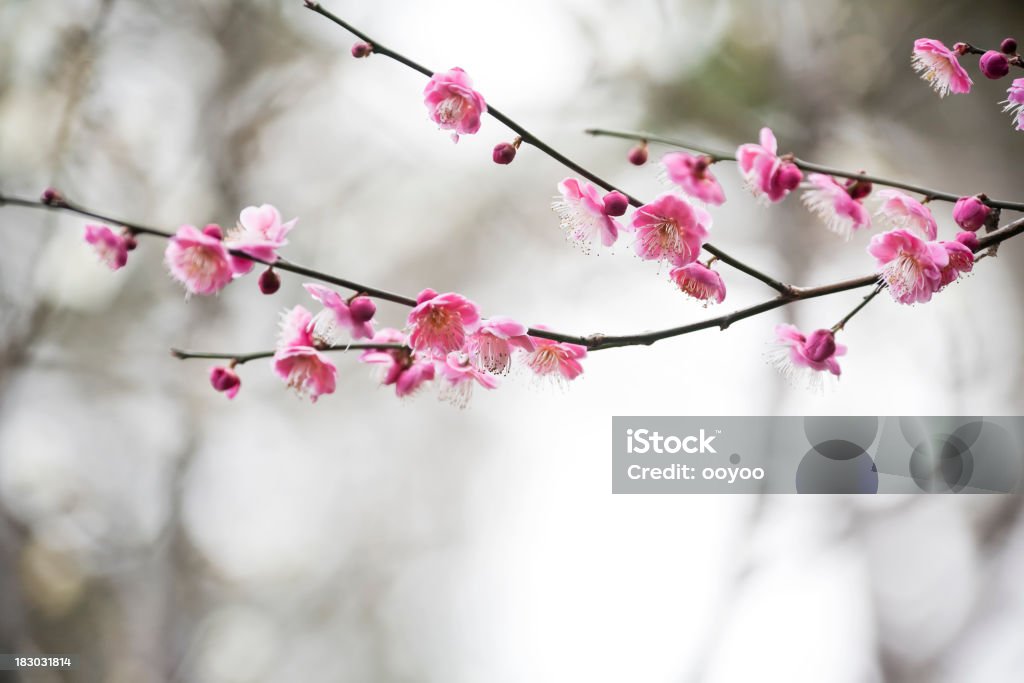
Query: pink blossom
{"points": [[800, 355], [491, 346], [298, 362], [453, 103], [961, 260], [439, 324], [833, 203], [583, 214], [402, 369], [199, 260], [910, 266], [260, 233], [899, 210], [767, 175], [557, 360], [111, 247], [693, 175], [700, 282], [225, 380], [970, 213], [670, 228], [1014, 102], [938, 65], [339, 313], [460, 376]]}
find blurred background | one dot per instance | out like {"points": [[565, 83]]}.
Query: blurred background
{"points": [[163, 533]]}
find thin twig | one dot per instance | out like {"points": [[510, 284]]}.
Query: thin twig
{"points": [[240, 358]]}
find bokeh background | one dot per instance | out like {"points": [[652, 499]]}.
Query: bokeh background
{"points": [[166, 534]]}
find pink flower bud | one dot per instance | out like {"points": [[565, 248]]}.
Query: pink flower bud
{"points": [[426, 295], [968, 239], [858, 189], [821, 344], [360, 50], [638, 155], [504, 153], [225, 380], [269, 281], [213, 230], [362, 309], [1008, 46], [970, 213], [961, 48], [130, 243], [52, 196], [994, 64], [790, 177], [615, 204]]}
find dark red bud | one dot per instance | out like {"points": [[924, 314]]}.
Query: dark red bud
{"points": [[994, 64], [360, 50], [615, 203], [1009, 46], [269, 281], [821, 345], [504, 153], [638, 155], [362, 309]]}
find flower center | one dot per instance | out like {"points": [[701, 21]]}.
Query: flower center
{"points": [[450, 109]]}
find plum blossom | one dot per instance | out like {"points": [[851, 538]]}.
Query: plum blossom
{"points": [[225, 380], [806, 357], [199, 259], [911, 267], [111, 247], [767, 175], [899, 210], [260, 232], [700, 282], [583, 214], [298, 361], [557, 360], [938, 65], [835, 205], [670, 229], [461, 374], [1014, 102], [492, 345], [440, 323], [693, 175], [453, 103], [401, 368], [356, 315], [961, 260]]}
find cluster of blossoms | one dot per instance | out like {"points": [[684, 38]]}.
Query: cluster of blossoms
{"points": [[940, 66]]}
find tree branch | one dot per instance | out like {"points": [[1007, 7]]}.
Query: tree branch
{"points": [[240, 358]]}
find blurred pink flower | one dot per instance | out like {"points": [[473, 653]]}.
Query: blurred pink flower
{"points": [[199, 260], [768, 176], [439, 324], [1014, 102], [491, 346], [453, 103], [700, 282], [339, 313], [833, 203], [260, 233], [460, 376], [693, 175], [111, 247], [938, 65], [911, 267], [900, 210], [670, 228], [797, 355], [583, 214], [297, 360]]}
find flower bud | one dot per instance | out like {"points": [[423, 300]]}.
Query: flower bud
{"points": [[504, 153], [615, 204], [970, 213], [269, 281], [360, 50], [130, 243], [968, 239], [858, 189], [213, 230], [362, 309], [994, 64], [961, 48], [790, 176], [638, 155], [52, 196], [1008, 46], [225, 380], [821, 345]]}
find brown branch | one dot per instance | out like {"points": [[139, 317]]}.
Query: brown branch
{"points": [[240, 358]]}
